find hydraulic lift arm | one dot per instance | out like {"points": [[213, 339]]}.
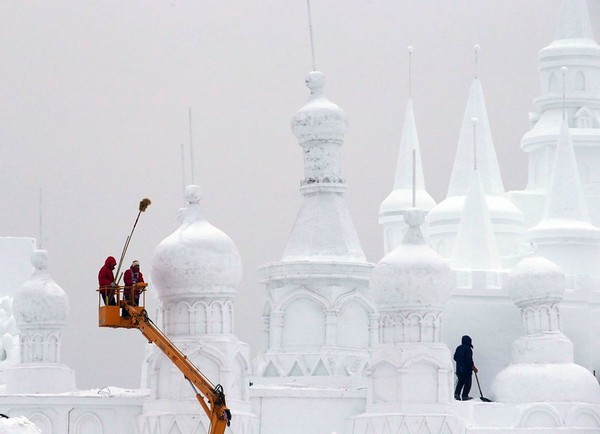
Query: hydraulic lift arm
{"points": [[210, 397]]}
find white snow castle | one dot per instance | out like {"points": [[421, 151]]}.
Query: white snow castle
{"points": [[355, 347]]}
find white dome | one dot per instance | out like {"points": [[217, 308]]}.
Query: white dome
{"points": [[197, 258], [319, 118], [399, 200], [536, 279], [412, 274], [40, 301], [549, 382], [501, 208]]}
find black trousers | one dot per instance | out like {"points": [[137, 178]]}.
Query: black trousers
{"points": [[464, 385]]}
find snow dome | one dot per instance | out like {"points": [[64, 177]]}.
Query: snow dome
{"points": [[536, 279], [40, 301], [319, 116], [197, 258], [412, 274]]}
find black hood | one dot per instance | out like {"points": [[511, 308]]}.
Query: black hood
{"points": [[466, 340]]}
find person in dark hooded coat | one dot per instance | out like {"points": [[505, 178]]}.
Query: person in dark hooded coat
{"points": [[106, 281], [463, 356]]}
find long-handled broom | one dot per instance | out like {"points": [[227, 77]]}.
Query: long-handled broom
{"points": [[144, 203]]}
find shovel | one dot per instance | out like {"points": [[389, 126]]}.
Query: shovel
{"points": [[481, 394]]}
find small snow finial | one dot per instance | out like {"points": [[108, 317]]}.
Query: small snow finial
{"points": [[564, 70], [310, 30], [39, 259], [414, 178], [476, 49], [474, 122], [193, 194], [414, 218], [315, 80], [410, 50]]}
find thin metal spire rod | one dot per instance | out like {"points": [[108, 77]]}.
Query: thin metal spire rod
{"points": [[476, 49], [40, 222], [564, 70], [312, 41], [414, 178], [191, 144], [182, 168], [410, 50]]}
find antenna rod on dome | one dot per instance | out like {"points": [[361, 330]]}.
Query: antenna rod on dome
{"points": [[414, 178], [182, 168], [40, 222], [476, 48], [144, 204], [312, 41], [410, 50], [191, 144], [564, 70]]}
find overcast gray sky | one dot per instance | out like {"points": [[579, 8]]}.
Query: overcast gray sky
{"points": [[94, 99]]}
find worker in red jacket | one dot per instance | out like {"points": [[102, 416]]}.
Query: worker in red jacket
{"points": [[106, 281], [132, 277]]}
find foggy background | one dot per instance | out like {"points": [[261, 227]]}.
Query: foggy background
{"points": [[94, 99]]}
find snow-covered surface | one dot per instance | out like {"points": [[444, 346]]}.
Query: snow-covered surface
{"points": [[574, 21], [536, 280], [40, 302], [197, 257], [18, 425]]}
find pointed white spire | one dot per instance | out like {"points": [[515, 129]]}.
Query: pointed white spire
{"points": [[487, 162], [565, 196], [574, 21], [408, 143], [476, 247]]}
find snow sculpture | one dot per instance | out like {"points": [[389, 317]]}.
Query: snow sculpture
{"points": [[40, 309], [411, 285], [542, 368], [507, 220], [196, 271], [18, 425], [408, 169], [319, 319]]}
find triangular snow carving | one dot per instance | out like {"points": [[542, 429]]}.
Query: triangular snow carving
{"points": [[175, 429], [271, 371], [425, 429], [320, 369], [296, 371], [446, 428], [404, 429]]}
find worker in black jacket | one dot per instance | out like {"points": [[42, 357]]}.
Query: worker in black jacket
{"points": [[463, 356]]}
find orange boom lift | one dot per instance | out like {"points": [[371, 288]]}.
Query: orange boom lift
{"points": [[210, 397]]}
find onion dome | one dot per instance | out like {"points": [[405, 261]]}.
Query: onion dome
{"points": [[40, 301], [535, 280], [319, 118], [197, 258], [413, 274]]}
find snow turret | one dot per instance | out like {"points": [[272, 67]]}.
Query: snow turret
{"points": [[196, 271], [507, 219], [565, 234], [323, 229], [569, 78], [542, 368], [197, 261], [41, 308], [391, 212], [410, 364], [319, 321]]}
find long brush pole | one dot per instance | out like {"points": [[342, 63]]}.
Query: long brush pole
{"points": [[143, 205]]}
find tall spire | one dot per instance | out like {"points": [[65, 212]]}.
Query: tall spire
{"points": [[574, 21], [409, 143], [487, 162], [476, 247], [565, 196]]}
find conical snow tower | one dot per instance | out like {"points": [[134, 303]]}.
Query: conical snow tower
{"points": [[319, 320]]}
